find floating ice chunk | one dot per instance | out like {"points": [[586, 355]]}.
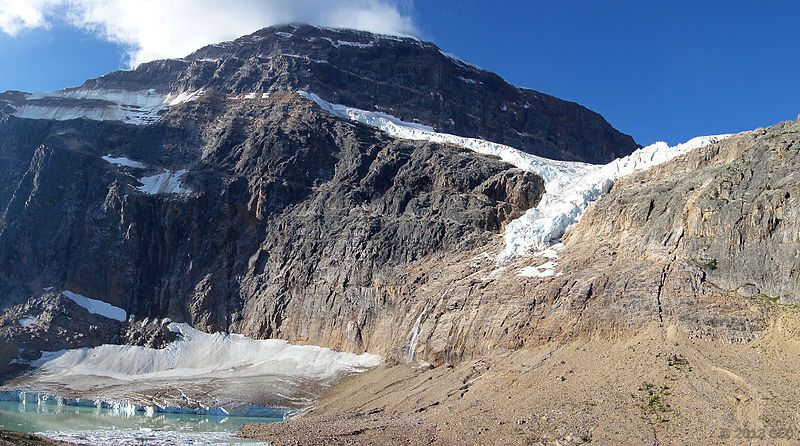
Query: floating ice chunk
{"points": [[122, 161], [148, 436], [97, 307], [197, 354], [168, 182]]}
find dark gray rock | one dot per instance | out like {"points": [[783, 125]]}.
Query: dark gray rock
{"points": [[294, 214], [405, 77]]}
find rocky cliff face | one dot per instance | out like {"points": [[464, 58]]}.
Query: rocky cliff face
{"points": [[234, 204], [706, 243], [248, 208], [405, 77], [286, 215]]}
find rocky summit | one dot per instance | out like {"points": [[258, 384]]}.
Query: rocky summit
{"points": [[354, 191]]}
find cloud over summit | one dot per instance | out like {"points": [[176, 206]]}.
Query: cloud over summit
{"points": [[158, 29]]}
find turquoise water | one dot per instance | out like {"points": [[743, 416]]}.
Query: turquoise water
{"points": [[94, 426]]}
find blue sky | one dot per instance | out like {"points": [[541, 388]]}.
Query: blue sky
{"points": [[656, 70]]}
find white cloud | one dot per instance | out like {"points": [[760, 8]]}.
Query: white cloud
{"points": [[158, 29], [16, 15]]}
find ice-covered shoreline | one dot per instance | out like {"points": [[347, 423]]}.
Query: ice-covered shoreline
{"points": [[48, 398]]}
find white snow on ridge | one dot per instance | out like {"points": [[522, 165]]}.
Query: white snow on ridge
{"points": [[459, 60], [132, 107], [353, 44], [570, 186], [167, 182], [122, 161], [97, 307], [201, 355]]}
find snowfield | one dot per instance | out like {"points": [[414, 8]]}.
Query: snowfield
{"points": [[202, 355], [132, 107], [122, 161], [97, 307], [570, 187], [168, 182]]}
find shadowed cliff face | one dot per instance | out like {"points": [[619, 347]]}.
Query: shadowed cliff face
{"points": [[292, 216]]}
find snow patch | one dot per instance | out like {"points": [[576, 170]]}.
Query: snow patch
{"points": [[353, 44], [173, 99], [570, 186], [167, 182], [132, 107], [27, 321], [468, 81], [122, 161], [197, 354], [97, 307], [547, 269], [459, 60]]}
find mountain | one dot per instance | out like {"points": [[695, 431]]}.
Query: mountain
{"points": [[404, 77], [374, 195], [670, 317], [262, 168]]}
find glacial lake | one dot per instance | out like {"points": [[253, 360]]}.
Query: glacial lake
{"points": [[95, 426]]}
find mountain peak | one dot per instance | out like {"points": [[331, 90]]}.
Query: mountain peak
{"points": [[403, 76]]}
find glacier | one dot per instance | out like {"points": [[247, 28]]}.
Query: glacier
{"points": [[132, 107], [199, 354], [570, 187], [200, 373]]}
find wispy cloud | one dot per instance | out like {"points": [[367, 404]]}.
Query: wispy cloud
{"points": [[157, 29]]}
